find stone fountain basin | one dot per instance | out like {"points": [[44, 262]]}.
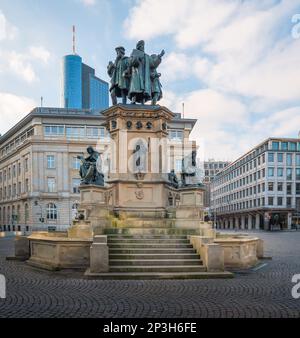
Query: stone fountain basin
{"points": [[54, 251], [240, 251]]}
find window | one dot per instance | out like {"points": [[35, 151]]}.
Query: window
{"points": [[270, 186], [26, 209], [51, 211], [75, 185], [53, 130], [51, 184], [288, 201], [19, 168], [26, 185], [50, 161], [178, 166], [289, 188], [19, 188], [297, 188], [279, 201], [289, 159], [95, 132], [14, 170], [297, 173], [280, 157], [275, 145], [75, 163], [279, 186], [298, 159], [271, 157], [176, 135], [292, 146], [280, 172], [284, 145], [75, 132], [270, 200], [26, 164], [289, 174], [270, 172]]}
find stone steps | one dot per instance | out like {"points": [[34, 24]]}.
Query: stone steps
{"points": [[158, 275], [155, 262], [157, 268], [135, 251], [149, 246], [154, 256], [150, 231]]}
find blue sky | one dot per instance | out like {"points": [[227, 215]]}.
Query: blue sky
{"points": [[234, 63]]}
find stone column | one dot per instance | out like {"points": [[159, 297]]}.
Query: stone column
{"points": [[250, 222], [289, 220], [242, 222], [231, 223], [257, 221]]}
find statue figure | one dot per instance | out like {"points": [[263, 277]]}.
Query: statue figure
{"points": [[156, 92], [140, 89], [90, 168], [190, 174], [118, 72], [173, 179], [140, 157]]}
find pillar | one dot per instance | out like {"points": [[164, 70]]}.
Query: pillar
{"points": [[250, 222], [257, 221], [231, 223], [289, 220], [243, 222]]}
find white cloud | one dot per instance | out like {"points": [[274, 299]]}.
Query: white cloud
{"points": [[12, 109], [20, 66], [88, 2], [39, 53], [7, 30], [242, 52], [23, 64]]}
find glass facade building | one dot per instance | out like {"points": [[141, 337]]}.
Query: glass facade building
{"points": [[81, 89], [71, 86]]}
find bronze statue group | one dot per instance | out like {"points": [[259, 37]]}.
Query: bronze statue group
{"points": [[135, 77]]}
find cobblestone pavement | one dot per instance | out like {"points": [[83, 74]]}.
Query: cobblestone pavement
{"points": [[265, 292]]}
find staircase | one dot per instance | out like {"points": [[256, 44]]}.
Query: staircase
{"points": [[154, 257]]}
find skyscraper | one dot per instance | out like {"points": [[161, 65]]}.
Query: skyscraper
{"points": [[81, 89]]}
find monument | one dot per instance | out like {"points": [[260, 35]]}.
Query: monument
{"points": [[142, 221]]}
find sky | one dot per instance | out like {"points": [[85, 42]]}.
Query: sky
{"points": [[234, 63]]}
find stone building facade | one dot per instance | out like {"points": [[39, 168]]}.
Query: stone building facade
{"points": [[39, 169], [261, 189]]}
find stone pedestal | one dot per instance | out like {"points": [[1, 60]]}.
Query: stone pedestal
{"points": [[99, 259]]}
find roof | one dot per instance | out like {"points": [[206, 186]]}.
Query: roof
{"points": [[51, 112]]}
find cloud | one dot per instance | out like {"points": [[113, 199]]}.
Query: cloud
{"points": [[23, 64], [12, 109], [245, 57], [7, 30], [39, 53], [89, 2], [20, 66]]}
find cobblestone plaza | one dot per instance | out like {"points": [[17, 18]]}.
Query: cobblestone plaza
{"points": [[263, 291]]}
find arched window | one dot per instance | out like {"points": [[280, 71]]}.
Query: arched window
{"points": [[26, 213], [51, 211], [75, 210]]}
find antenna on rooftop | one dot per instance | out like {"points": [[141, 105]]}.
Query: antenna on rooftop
{"points": [[74, 40], [183, 109], [42, 101]]}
